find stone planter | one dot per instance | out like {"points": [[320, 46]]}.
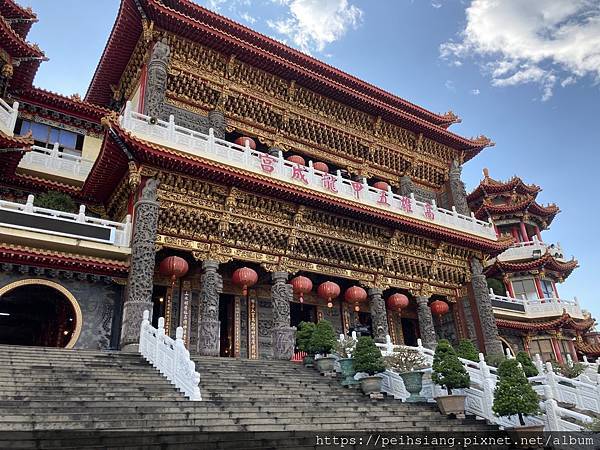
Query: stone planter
{"points": [[413, 383], [348, 372], [371, 385], [325, 364], [308, 361], [451, 404], [520, 433]]}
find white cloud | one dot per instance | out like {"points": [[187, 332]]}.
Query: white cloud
{"points": [[313, 24], [450, 85], [436, 4], [475, 92], [532, 41], [247, 17]]}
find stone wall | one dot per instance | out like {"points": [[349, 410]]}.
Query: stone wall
{"points": [[99, 299]]}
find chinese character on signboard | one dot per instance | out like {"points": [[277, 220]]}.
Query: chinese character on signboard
{"points": [[267, 164], [406, 204], [383, 198], [298, 173], [428, 211], [329, 182], [357, 187]]}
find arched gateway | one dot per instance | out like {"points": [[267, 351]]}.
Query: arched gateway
{"points": [[39, 312]]}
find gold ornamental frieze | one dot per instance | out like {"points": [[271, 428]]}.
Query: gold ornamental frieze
{"points": [[181, 243]]}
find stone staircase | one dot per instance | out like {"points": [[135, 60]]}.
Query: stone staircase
{"points": [[52, 398]]}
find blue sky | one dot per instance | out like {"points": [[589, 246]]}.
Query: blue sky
{"points": [[525, 73]]}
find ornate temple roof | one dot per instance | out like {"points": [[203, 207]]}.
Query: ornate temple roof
{"points": [[193, 22], [17, 254], [527, 205], [587, 348], [564, 321], [13, 148], [546, 262], [490, 187], [20, 18]]}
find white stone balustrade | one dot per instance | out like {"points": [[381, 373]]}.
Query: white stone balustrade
{"points": [[531, 249], [539, 307], [480, 395], [8, 117], [50, 221], [170, 357], [207, 146], [54, 162]]}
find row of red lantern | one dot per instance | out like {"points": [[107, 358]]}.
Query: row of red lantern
{"points": [[176, 267]]}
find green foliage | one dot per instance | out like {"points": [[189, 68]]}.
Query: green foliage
{"points": [[367, 357], [56, 200], [594, 425], [567, 370], [323, 339], [467, 350], [514, 394], [345, 347], [497, 286], [527, 364], [303, 336], [448, 371], [405, 360], [495, 359]]}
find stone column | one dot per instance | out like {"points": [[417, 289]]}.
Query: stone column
{"points": [[218, 122], [141, 273], [283, 335], [428, 336], [491, 341], [457, 189], [378, 315], [209, 326], [406, 186], [156, 81]]}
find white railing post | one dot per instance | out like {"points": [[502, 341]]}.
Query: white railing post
{"points": [[551, 416], [552, 382], [29, 205], [537, 360], [210, 147], [81, 215], [171, 129], [488, 385], [143, 337], [13, 119], [389, 347], [126, 123]]}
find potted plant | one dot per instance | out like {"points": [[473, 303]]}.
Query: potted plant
{"points": [[408, 364], [322, 342], [514, 395], [303, 335], [467, 350], [449, 373], [527, 364], [344, 348], [368, 358]]}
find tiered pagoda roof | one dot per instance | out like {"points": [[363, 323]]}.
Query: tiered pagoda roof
{"points": [[518, 200], [563, 322], [191, 21], [587, 349], [547, 263], [24, 56]]}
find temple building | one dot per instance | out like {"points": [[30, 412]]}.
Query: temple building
{"points": [[236, 186], [523, 280]]}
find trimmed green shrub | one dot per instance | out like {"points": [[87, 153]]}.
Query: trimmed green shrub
{"points": [[367, 357], [448, 371], [323, 339], [467, 350], [56, 200], [527, 364], [303, 336], [513, 393], [495, 359], [568, 371]]}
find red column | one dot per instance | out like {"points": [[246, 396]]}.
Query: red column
{"points": [[573, 351], [515, 235], [555, 290], [557, 353], [509, 289], [538, 286], [496, 230], [524, 232], [538, 234]]}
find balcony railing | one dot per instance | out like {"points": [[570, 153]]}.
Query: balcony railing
{"points": [[59, 223], [54, 162], [544, 307], [207, 146], [530, 250], [8, 117]]}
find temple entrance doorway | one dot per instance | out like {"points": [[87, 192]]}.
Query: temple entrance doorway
{"points": [[363, 324], [227, 319], [38, 313], [302, 312], [409, 331]]}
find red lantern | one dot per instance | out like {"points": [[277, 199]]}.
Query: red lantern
{"points": [[439, 308], [321, 166], [328, 291], [355, 295], [381, 185], [296, 159], [301, 285], [397, 302], [246, 278], [242, 142], [173, 267]]}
